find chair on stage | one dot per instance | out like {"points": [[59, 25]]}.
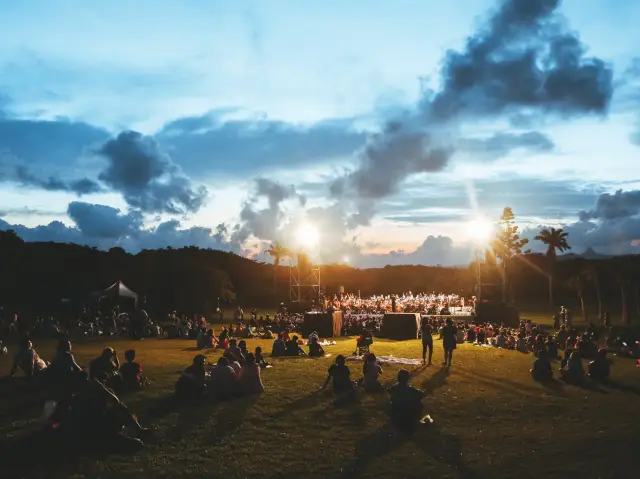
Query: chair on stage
{"points": [[364, 341]]}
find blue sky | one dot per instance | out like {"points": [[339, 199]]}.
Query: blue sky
{"points": [[226, 124]]}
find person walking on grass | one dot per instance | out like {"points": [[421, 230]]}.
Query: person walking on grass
{"points": [[427, 341], [449, 333]]}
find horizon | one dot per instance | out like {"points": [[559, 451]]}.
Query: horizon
{"points": [[228, 126]]}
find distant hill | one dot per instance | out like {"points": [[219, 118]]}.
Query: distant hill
{"points": [[589, 254]]}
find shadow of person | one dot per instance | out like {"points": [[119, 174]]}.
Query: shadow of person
{"points": [[443, 447], [302, 403], [380, 443], [553, 385], [626, 388], [436, 380], [230, 417]]}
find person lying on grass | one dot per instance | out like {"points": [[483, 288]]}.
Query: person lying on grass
{"points": [[542, 367], [599, 368], [405, 402], [28, 360], [340, 374], [94, 414]]}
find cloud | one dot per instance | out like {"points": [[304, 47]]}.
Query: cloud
{"points": [[147, 177], [80, 187], [209, 144], [105, 227], [501, 144], [523, 59], [621, 204], [29, 212]]}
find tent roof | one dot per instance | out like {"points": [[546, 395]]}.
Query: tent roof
{"points": [[117, 289]]}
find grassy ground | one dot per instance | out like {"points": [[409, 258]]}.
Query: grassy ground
{"points": [[491, 420]]}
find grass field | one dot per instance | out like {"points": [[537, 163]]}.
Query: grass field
{"points": [[491, 420]]}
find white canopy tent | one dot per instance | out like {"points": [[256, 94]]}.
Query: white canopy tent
{"points": [[116, 290]]}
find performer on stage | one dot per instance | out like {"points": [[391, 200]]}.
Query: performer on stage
{"points": [[427, 340], [449, 333]]}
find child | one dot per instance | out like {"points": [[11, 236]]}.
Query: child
{"points": [[131, 372], [315, 350], [371, 371], [260, 358]]}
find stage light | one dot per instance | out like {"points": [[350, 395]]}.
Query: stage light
{"points": [[480, 230], [307, 236], [345, 259]]}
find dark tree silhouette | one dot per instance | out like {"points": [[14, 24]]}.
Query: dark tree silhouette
{"points": [[555, 240]]}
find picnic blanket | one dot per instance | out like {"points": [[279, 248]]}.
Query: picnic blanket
{"points": [[323, 342], [389, 360]]}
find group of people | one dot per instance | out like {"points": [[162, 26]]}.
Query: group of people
{"points": [[425, 303]]}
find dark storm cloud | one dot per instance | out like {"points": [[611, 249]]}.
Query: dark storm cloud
{"points": [[100, 221], [208, 144], [522, 59], [621, 204], [147, 177], [80, 187]]}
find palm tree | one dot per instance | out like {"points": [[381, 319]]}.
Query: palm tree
{"points": [[592, 273], [277, 252], [578, 284], [555, 239]]}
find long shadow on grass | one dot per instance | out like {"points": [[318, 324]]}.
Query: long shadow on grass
{"points": [[230, 418], [508, 385], [305, 402], [432, 442], [436, 380]]}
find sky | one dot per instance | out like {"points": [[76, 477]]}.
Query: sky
{"points": [[389, 127]]}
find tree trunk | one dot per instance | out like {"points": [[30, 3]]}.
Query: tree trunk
{"points": [[597, 284], [504, 282], [276, 263], [584, 311], [625, 312], [551, 289]]}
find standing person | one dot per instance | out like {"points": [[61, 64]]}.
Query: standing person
{"points": [[426, 333], [449, 332]]}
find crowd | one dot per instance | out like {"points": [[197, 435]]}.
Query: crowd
{"points": [[430, 304]]}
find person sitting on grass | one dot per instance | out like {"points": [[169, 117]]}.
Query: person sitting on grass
{"points": [[293, 347], [131, 372], [542, 367], [96, 415], [250, 380], [371, 371], [279, 347], [242, 345], [223, 341], [586, 347], [599, 368], [260, 361], [405, 402], [233, 352], [210, 340], [191, 384], [222, 382], [27, 360], [106, 368], [573, 370], [340, 374], [315, 350]]}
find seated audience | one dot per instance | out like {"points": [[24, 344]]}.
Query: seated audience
{"points": [[210, 340], [542, 367], [233, 352], [63, 368], [260, 361], [250, 380], [371, 371], [573, 370], [222, 383], [599, 368], [131, 372], [242, 345], [293, 347], [191, 383], [405, 402], [28, 360], [315, 350], [279, 347], [340, 374], [106, 367], [552, 347]]}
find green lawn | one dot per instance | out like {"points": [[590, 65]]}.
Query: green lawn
{"points": [[491, 420]]}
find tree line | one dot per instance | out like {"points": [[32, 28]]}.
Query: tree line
{"points": [[38, 276]]}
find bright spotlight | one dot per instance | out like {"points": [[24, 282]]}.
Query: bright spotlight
{"points": [[345, 259], [480, 229], [307, 236]]}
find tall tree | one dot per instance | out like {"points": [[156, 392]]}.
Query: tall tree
{"points": [[620, 273], [592, 273], [578, 284], [555, 240], [507, 245], [277, 252]]}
